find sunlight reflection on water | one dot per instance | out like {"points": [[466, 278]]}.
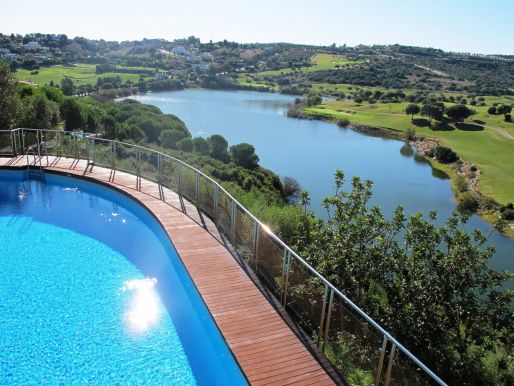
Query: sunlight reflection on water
{"points": [[144, 309]]}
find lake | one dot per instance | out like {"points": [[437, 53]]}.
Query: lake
{"points": [[311, 151]]}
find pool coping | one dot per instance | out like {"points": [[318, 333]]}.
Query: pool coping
{"points": [[266, 344]]}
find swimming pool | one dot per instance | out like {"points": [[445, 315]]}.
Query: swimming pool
{"points": [[92, 291]]}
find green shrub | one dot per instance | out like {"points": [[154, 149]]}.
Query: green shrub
{"points": [[410, 134], [508, 214], [445, 155], [248, 184], [343, 122], [461, 184], [468, 202], [185, 144]]}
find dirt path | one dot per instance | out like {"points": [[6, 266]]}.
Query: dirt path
{"points": [[500, 131]]}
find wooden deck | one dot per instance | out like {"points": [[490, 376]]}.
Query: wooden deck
{"points": [[267, 346]]}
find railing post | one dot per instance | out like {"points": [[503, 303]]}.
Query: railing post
{"points": [[380, 364], [216, 203], [13, 147], [159, 176], [286, 269], [38, 144], [88, 149], [138, 169], [233, 222], [23, 142], [113, 160], [329, 313], [197, 188], [390, 365], [179, 186], [255, 242], [322, 321]]}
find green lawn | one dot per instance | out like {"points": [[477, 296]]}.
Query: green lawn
{"points": [[80, 73], [319, 62], [245, 80], [487, 147]]}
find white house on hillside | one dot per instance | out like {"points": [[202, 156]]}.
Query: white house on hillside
{"points": [[32, 46], [9, 57], [162, 75]]}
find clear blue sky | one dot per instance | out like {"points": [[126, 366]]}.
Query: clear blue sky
{"points": [[481, 26]]}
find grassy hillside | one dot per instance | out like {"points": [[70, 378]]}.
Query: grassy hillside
{"points": [[80, 73], [318, 62], [485, 140]]}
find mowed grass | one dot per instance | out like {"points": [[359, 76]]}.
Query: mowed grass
{"points": [[319, 62], [489, 147], [80, 73], [245, 80]]}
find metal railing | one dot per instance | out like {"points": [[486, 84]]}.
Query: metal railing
{"points": [[363, 351]]}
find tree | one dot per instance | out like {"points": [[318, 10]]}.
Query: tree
{"points": [[244, 155], [412, 109], [218, 147], [491, 110], [185, 144], [314, 99], [9, 99], [109, 124], [305, 200], [429, 285], [445, 155], [38, 112], [129, 132], [505, 110], [170, 138], [459, 112], [67, 86], [200, 146], [291, 189], [433, 110], [72, 114]]}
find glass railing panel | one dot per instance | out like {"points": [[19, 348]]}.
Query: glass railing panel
{"points": [[51, 142], [82, 145], [170, 173], [102, 154], [270, 261], [6, 149], [188, 183], [352, 344], [126, 158], [244, 231], [18, 144], [30, 141], [304, 297], [206, 197], [223, 215], [149, 163], [66, 145]]}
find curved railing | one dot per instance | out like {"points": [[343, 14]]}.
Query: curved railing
{"points": [[359, 347]]}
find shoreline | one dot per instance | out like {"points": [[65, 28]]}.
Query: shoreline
{"points": [[488, 208]]}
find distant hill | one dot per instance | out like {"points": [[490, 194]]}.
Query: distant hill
{"points": [[274, 67]]}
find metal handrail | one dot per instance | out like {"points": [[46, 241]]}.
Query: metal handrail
{"points": [[387, 336]]}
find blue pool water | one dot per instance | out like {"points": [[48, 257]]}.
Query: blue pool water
{"points": [[93, 292]]}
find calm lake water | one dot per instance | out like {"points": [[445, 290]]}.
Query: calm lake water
{"points": [[311, 151]]}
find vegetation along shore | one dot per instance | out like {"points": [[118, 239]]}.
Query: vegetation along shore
{"points": [[480, 141]]}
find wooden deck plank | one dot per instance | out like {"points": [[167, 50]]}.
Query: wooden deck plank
{"points": [[266, 348]]}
